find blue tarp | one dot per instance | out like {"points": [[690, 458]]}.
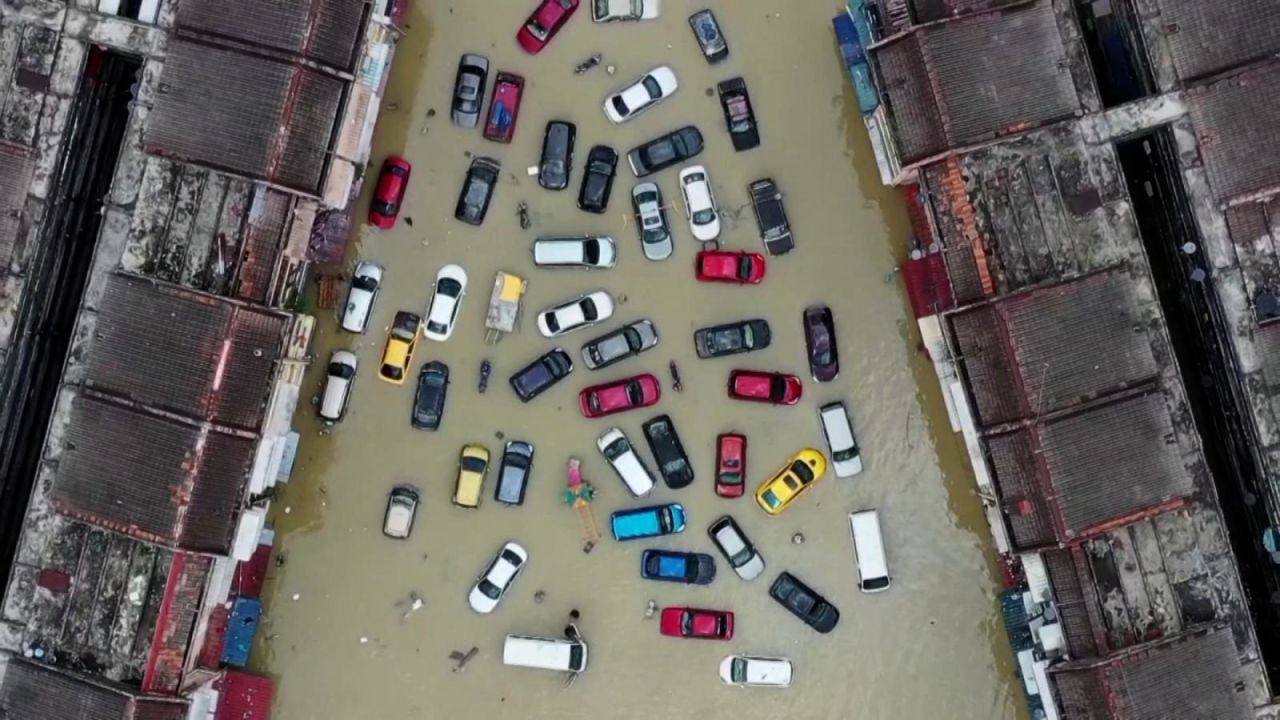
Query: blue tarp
{"points": [[241, 629], [855, 58]]}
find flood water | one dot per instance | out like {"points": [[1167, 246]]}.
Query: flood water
{"points": [[337, 634]]}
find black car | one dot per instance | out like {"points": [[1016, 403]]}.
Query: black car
{"points": [[706, 30], [538, 376], [820, 342], [428, 400], [619, 345], [513, 475], [597, 184], [673, 461], [468, 90], [738, 114], [661, 153], [681, 567], [771, 216], [477, 190], [557, 155], [803, 602], [732, 338]]}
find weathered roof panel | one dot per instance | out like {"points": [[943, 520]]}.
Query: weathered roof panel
{"points": [[30, 691], [1208, 38], [15, 179], [1239, 138], [326, 31], [913, 109]]}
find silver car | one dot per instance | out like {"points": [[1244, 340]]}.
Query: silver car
{"points": [[619, 345], [655, 235], [468, 90]]}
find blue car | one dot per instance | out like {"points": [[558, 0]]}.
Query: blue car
{"points": [[647, 522], [681, 567]]}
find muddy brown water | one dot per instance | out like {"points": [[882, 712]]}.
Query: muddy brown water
{"points": [[931, 647]]}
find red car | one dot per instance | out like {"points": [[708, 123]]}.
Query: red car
{"points": [[697, 623], [392, 182], [615, 397], [544, 23], [504, 107], [731, 464], [744, 268], [767, 387]]}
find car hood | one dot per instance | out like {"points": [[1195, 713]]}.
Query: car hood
{"points": [[751, 569]]}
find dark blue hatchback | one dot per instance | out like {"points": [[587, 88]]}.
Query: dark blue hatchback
{"points": [[681, 567]]}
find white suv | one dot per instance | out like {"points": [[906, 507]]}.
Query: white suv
{"points": [[617, 449], [365, 282]]}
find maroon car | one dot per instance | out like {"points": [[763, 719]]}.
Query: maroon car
{"points": [[620, 395], [387, 196], [504, 107], [543, 24], [766, 387], [820, 341], [731, 464], [697, 623]]}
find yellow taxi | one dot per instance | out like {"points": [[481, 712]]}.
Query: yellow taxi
{"points": [[399, 351], [473, 463], [799, 474]]}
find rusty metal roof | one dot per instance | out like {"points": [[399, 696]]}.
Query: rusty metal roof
{"points": [[151, 477], [1208, 38], [245, 114], [15, 179], [1239, 140], [30, 691], [177, 350], [325, 31], [909, 98]]}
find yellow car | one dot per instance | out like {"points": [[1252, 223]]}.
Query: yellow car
{"points": [[472, 466], [798, 475], [400, 344]]}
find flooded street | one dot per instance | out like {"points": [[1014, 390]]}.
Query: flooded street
{"points": [[930, 647]]}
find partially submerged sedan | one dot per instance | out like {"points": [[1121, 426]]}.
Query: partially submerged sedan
{"points": [[468, 90], [697, 623], [446, 301], [732, 338], [731, 464], [477, 191], [513, 474], [625, 342], [681, 567], [504, 107], [664, 151], [699, 203], [398, 352], [741, 268], [766, 387], [820, 342], [393, 181], [429, 399], [543, 24], [540, 375], [580, 312], [498, 578], [473, 465], [651, 88], [804, 602], [597, 180], [618, 396], [402, 508], [651, 219], [664, 443], [791, 481]]}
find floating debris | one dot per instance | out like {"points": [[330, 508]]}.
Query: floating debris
{"points": [[364, 640], [431, 112], [408, 221], [676, 382], [486, 368], [522, 212], [651, 609], [296, 596], [587, 64], [539, 596], [460, 659], [797, 539]]}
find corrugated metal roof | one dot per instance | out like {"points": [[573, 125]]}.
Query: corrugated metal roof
{"points": [[1208, 38], [930, 10], [29, 691], [263, 240], [15, 180], [908, 94], [1239, 138], [261, 118], [245, 697], [326, 31], [174, 349], [154, 478]]}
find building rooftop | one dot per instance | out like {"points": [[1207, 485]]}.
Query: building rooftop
{"points": [[323, 31], [15, 179], [1238, 141], [29, 691], [1207, 38]]}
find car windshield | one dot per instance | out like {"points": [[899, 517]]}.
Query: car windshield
{"points": [[802, 470], [728, 339], [437, 327], [652, 86], [748, 336], [744, 267], [491, 591], [394, 372], [635, 393], [511, 557], [742, 557], [654, 235], [674, 467], [702, 217], [738, 671], [616, 449], [449, 287], [846, 454], [385, 208], [589, 309], [474, 464], [553, 322], [661, 152], [633, 338], [686, 622], [591, 251], [665, 520], [346, 372], [536, 29], [364, 282], [876, 583], [477, 191], [620, 106], [467, 105], [778, 387], [770, 499]]}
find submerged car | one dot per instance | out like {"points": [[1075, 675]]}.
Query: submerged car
{"points": [[543, 24], [393, 181], [580, 312], [651, 88], [771, 216], [804, 602], [468, 90], [402, 508], [673, 461], [557, 155], [626, 462], [820, 342], [365, 283], [497, 578], [699, 203], [732, 338], [473, 465], [513, 474], [622, 10], [398, 352], [540, 375], [651, 219], [741, 268], [587, 251], [662, 152], [597, 182], [446, 301], [706, 30], [791, 481], [625, 342], [697, 623], [477, 191], [504, 107], [752, 671], [429, 400], [681, 567], [767, 387], [731, 464], [739, 116], [736, 548], [647, 522], [618, 396]]}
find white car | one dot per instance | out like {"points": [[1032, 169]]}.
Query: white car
{"points": [[498, 578], [654, 86], [365, 282], [575, 252], [580, 312], [699, 203], [751, 671], [611, 10], [736, 548], [446, 300], [622, 456]]}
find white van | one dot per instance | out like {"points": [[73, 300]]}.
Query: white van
{"points": [[868, 551], [846, 458], [617, 449], [545, 653], [365, 282], [337, 386], [577, 252]]}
